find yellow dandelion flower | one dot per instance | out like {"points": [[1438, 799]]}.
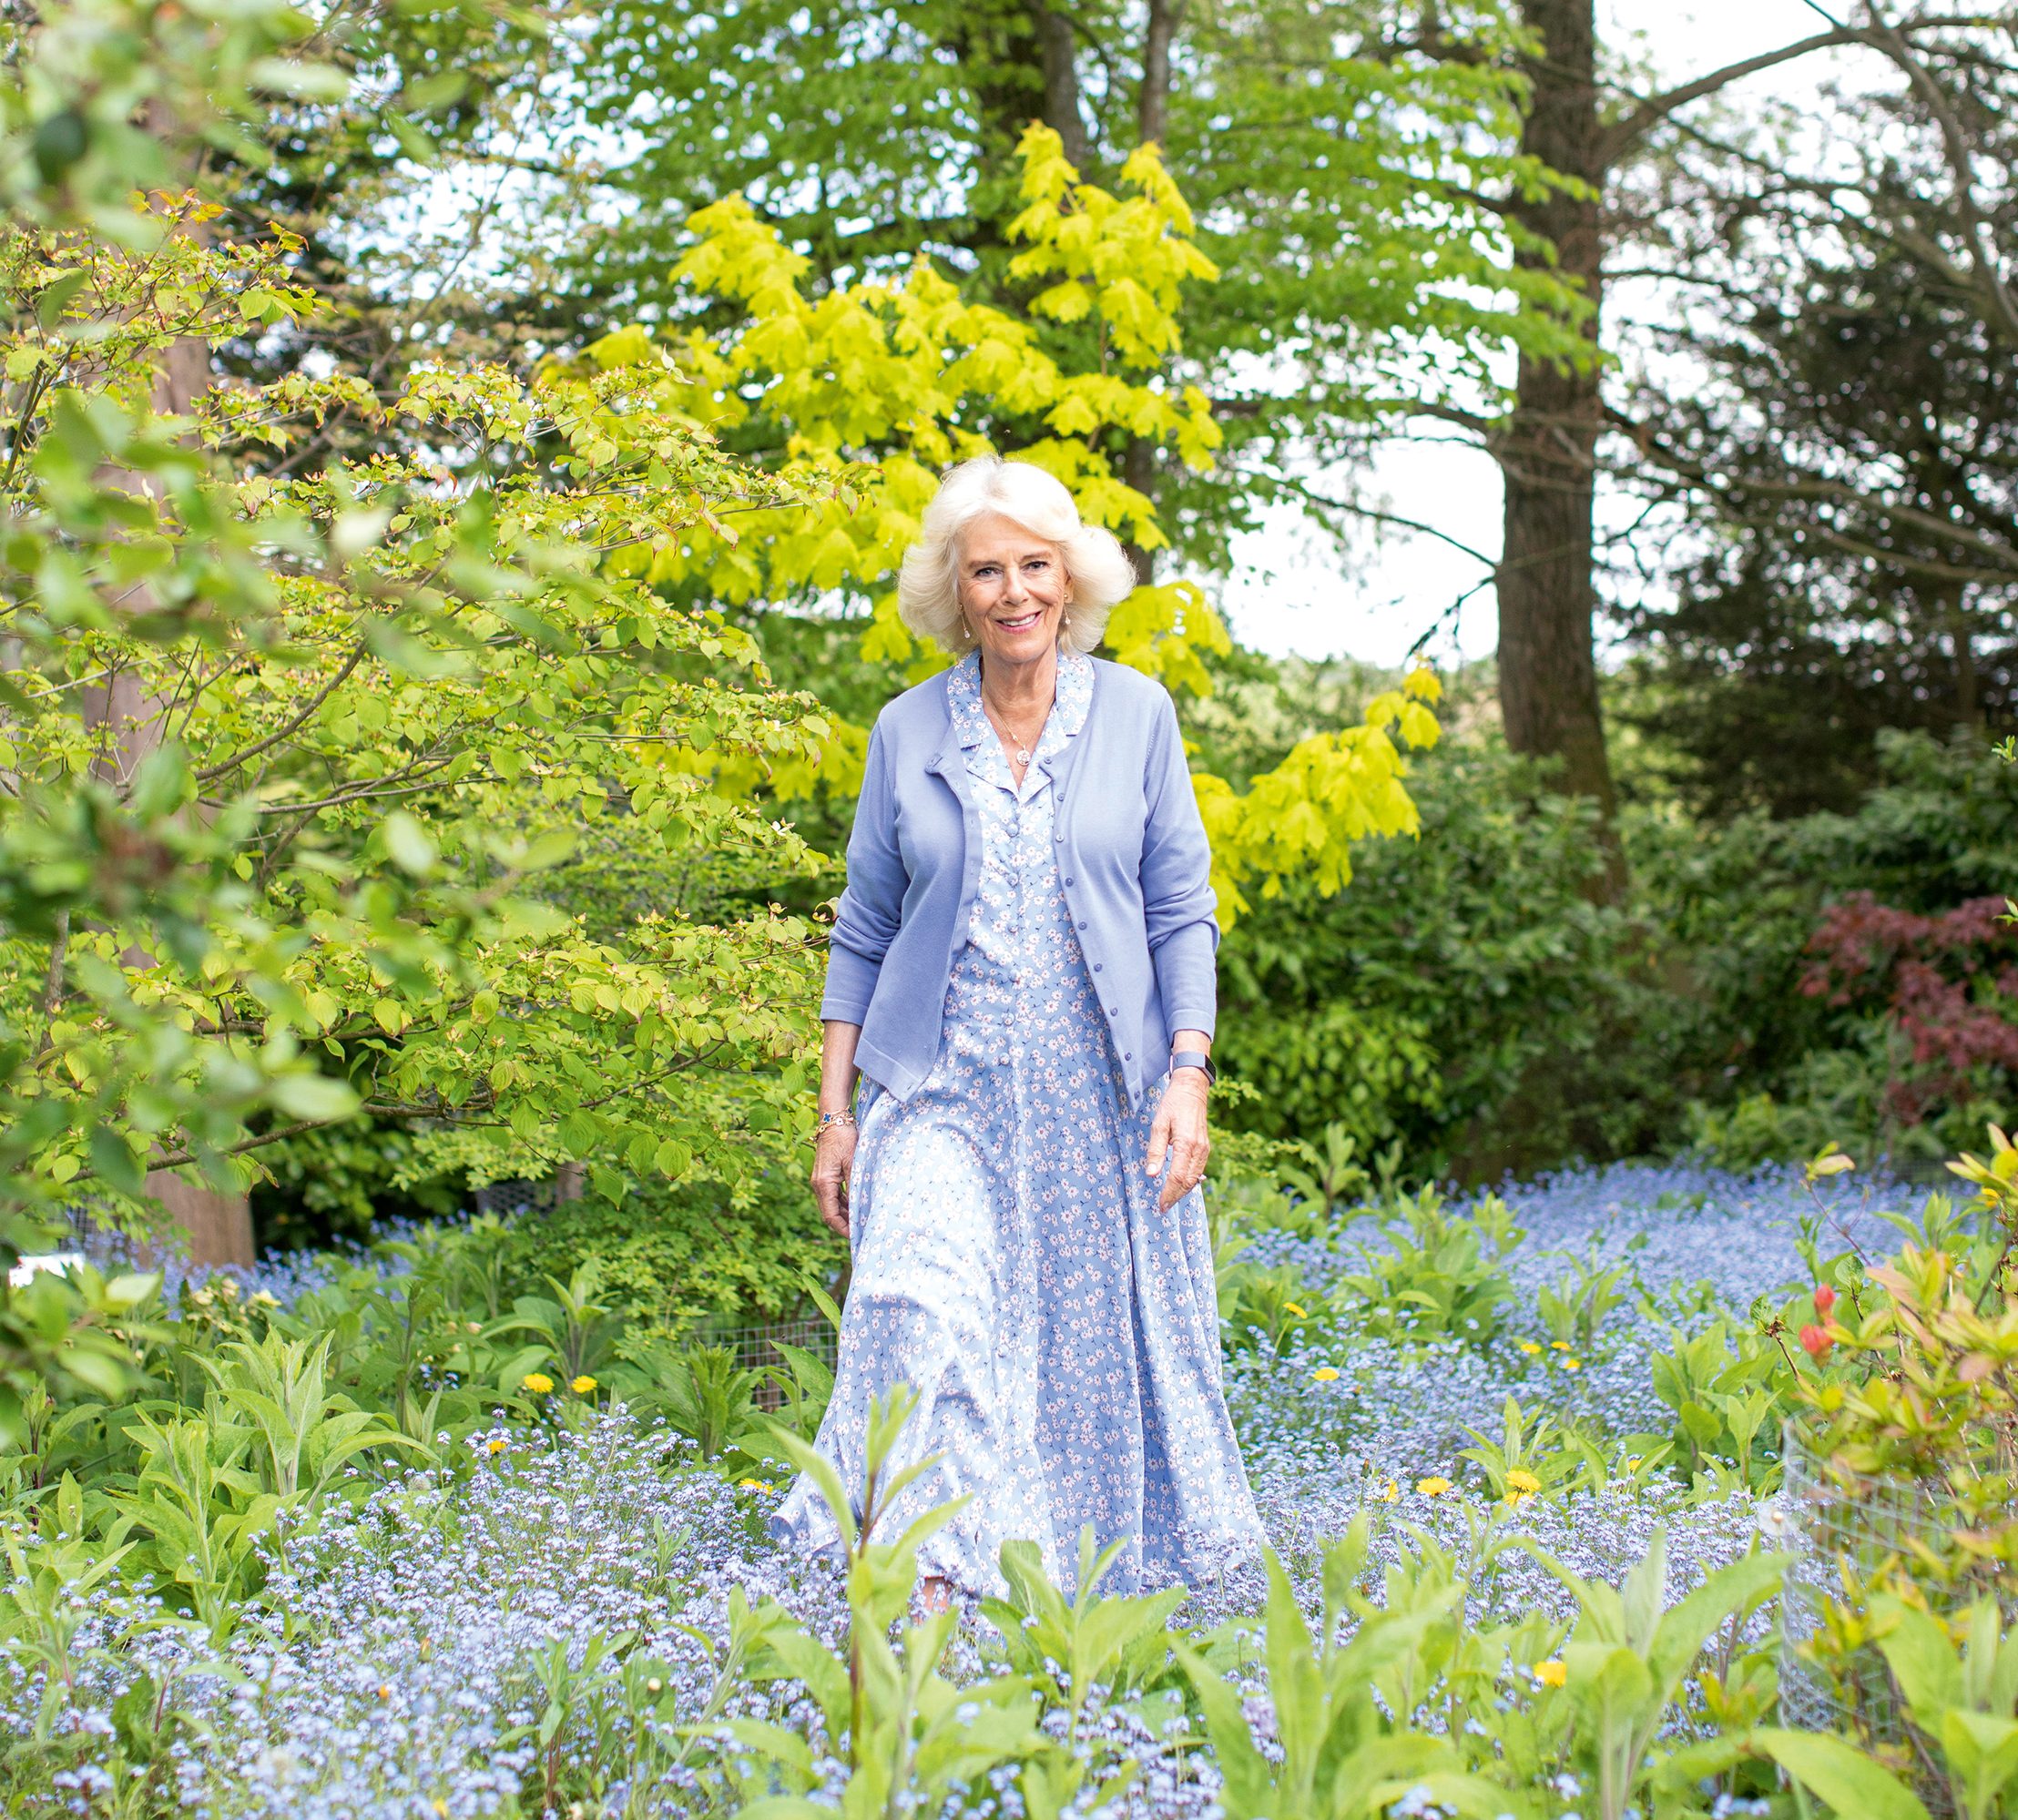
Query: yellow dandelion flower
{"points": [[1302, 1313], [1573, 1365], [384, 1693], [1554, 1673], [1559, 1346], [1390, 1493], [1529, 1347], [1433, 1487], [1633, 1459], [537, 1382], [440, 1807], [1518, 1480], [582, 1385], [1324, 1374], [497, 1447], [756, 1485]]}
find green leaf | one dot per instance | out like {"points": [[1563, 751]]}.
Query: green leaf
{"points": [[56, 296], [1921, 1659], [112, 1159], [1855, 1786], [321, 1097], [407, 844]]}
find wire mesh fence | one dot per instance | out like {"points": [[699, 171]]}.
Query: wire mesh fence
{"points": [[508, 1198], [1847, 1535], [754, 1348], [1842, 1538]]}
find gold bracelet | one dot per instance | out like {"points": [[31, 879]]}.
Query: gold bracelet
{"points": [[829, 1121]]}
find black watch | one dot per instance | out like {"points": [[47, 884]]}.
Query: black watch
{"points": [[1195, 1058]]}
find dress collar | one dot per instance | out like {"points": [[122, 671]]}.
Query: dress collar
{"points": [[1072, 697]]}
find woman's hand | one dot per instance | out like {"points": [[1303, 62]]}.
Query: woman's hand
{"points": [[1179, 1132], [833, 1164]]}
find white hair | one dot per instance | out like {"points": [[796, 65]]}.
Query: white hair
{"points": [[928, 585]]}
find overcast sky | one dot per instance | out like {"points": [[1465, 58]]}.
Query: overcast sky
{"points": [[1373, 605]]}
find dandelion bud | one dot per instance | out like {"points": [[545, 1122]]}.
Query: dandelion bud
{"points": [[1816, 1342]]}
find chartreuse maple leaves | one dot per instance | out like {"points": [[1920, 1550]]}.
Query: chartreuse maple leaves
{"points": [[866, 392]]}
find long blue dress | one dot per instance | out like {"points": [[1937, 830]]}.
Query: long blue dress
{"points": [[1010, 1261]]}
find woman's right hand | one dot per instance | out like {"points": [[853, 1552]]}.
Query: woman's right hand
{"points": [[833, 1164]]}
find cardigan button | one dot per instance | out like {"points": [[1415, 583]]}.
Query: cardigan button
{"points": [[1068, 881], [1096, 966]]}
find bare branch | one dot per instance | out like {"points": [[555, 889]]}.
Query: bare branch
{"points": [[1618, 138], [2001, 310]]}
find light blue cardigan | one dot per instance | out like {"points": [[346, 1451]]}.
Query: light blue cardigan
{"points": [[1132, 856]]}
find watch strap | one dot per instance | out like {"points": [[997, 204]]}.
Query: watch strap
{"points": [[1194, 1058]]}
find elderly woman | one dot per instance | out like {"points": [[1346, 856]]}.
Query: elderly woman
{"points": [[1022, 968]]}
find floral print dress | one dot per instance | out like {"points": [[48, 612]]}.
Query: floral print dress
{"points": [[1010, 1263]]}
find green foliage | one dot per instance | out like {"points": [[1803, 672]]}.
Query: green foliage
{"points": [[1730, 1390], [1516, 1024], [1338, 168], [335, 1182], [1573, 1310], [911, 1734], [1437, 1274], [1925, 1390], [1068, 1648], [1344, 1067], [706, 1396], [1960, 1686], [1462, 991], [672, 1254], [1624, 1665], [1343, 1756], [269, 1450]]}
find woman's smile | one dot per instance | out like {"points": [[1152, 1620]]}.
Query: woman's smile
{"points": [[1014, 589]]}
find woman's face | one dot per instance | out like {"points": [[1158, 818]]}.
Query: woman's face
{"points": [[1013, 590]]}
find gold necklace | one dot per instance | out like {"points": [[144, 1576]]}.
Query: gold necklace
{"points": [[1022, 745]]}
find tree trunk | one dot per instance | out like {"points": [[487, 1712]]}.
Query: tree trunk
{"points": [[1969, 710], [219, 1226], [1018, 59], [1548, 451], [1062, 111], [1153, 104]]}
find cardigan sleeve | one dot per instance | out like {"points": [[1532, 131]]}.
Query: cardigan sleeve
{"points": [[1176, 883], [872, 904]]}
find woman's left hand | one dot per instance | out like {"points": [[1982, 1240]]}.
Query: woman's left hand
{"points": [[1179, 1132]]}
